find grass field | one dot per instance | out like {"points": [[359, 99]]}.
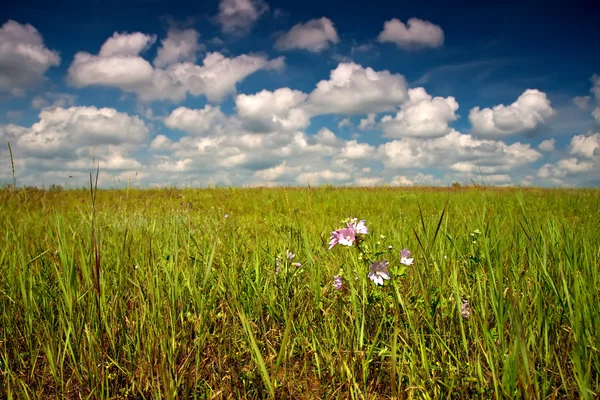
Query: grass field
{"points": [[183, 293]]}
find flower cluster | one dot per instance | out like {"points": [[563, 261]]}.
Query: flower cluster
{"points": [[347, 236], [404, 257], [379, 271], [337, 282], [351, 235], [290, 256]]}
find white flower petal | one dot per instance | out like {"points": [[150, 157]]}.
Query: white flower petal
{"points": [[407, 261]]}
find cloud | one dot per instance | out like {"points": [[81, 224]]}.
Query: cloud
{"points": [[353, 150], [418, 179], [24, 59], [239, 16], [367, 123], [276, 172], [586, 145], [126, 44], [73, 139], [421, 116], [596, 114], [363, 48], [352, 89], [265, 111], [64, 144], [265, 158], [596, 86], [161, 142], [53, 99], [581, 168], [206, 121], [179, 46], [118, 65], [344, 122], [314, 35], [596, 92], [368, 181], [323, 176], [457, 152], [547, 145], [529, 111], [416, 34], [565, 167], [583, 102], [113, 159]]}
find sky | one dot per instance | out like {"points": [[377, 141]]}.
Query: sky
{"points": [[271, 93]]}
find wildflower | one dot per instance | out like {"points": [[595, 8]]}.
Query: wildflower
{"points": [[379, 272], [390, 247], [475, 235], [297, 265], [337, 282], [183, 203], [290, 256], [277, 265], [344, 236], [359, 228], [226, 215], [404, 257], [465, 309]]}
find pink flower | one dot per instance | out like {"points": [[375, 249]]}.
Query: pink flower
{"points": [[347, 236], [344, 236], [359, 227], [290, 256], [337, 282], [404, 257], [379, 272]]}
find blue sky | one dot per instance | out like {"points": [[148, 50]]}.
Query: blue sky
{"points": [[259, 92]]}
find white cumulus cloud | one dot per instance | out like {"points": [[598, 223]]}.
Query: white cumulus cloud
{"points": [[458, 152], [528, 112], [415, 34], [352, 89], [367, 123], [284, 109], [421, 116], [547, 145], [126, 44], [178, 46], [119, 65], [586, 145], [53, 99], [565, 167], [70, 141], [24, 59], [315, 35], [239, 16], [583, 102], [596, 92], [206, 121]]}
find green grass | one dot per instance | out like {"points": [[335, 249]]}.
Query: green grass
{"points": [[142, 297]]}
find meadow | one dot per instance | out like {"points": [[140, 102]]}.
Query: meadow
{"points": [[234, 293]]}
